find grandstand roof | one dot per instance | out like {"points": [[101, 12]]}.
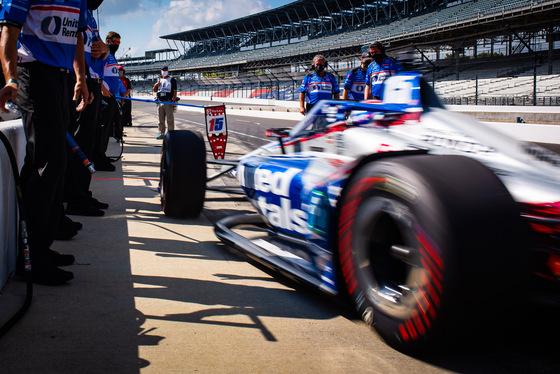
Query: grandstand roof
{"points": [[297, 13], [161, 50]]}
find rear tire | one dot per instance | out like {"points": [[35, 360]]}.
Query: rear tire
{"points": [[429, 247], [183, 174]]}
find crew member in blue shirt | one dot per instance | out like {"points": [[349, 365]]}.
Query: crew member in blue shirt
{"points": [[49, 33], [380, 69], [318, 85], [78, 178], [355, 82], [109, 117]]}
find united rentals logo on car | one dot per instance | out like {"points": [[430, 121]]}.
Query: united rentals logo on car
{"points": [[275, 198]]}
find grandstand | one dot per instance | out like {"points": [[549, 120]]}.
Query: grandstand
{"points": [[479, 49]]}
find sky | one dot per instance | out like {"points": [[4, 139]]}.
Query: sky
{"points": [[141, 23]]}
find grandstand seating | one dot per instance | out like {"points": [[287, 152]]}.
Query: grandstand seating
{"points": [[547, 85], [187, 93], [285, 85], [222, 93]]}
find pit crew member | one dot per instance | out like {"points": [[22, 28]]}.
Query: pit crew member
{"points": [[380, 69], [355, 82], [318, 85], [41, 42]]}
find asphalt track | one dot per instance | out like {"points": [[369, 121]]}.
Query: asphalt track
{"points": [[153, 294]]}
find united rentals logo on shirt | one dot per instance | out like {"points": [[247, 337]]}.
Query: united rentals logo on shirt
{"points": [[49, 29], [54, 25]]}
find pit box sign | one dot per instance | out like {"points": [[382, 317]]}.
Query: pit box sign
{"points": [[216, 129]]}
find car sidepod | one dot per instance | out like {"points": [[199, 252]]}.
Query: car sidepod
{"points": [[296, 198]]}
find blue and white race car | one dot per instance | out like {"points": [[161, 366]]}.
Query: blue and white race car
{"points": [[431, 222]]}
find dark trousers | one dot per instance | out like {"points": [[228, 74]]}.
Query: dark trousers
{"points": [[117, 121], [78, 177], [43, 101], [127, 113], [108, 116]]}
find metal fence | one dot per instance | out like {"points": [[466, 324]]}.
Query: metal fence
{"points": [[289, 91], [503, 100]]}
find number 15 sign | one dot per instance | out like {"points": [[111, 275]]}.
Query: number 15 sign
{"points": [[216, 129]]}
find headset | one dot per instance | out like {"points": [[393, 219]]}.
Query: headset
{"points": [[379, 45]]}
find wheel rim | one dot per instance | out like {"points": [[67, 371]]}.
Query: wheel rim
{"points": [[388, 261]]}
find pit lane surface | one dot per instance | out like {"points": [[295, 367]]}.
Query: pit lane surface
{"points": [[159, 295]]}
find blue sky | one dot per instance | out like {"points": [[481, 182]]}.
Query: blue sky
{"points": [[141, 23]]}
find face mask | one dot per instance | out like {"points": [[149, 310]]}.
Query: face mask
{"points": [[379, 59], [93, 4], [319, 68], [113, 48], [164, 73]]}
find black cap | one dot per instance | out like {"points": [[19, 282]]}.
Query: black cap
{"points": [[367, 56], [164, 67]]}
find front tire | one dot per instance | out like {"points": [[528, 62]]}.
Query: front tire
{"points": [[429, 247], [183, 174]]}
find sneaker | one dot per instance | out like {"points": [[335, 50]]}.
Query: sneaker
{"points": [[105, 166], [159, 137], [50, 275], [60, 259], [98, 204], [65, 233], [67, 229], [77, 226]]}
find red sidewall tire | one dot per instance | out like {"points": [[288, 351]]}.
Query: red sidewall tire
{"points": [[419, 237]]}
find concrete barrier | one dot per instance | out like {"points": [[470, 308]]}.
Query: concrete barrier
{"points": [[8, 202], [511, 113]]}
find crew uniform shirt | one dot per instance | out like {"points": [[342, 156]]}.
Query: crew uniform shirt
{"points": [[356, 83], [111, 75], [165, 89], [317, 88], [48, 29], [377, 74], [95, 65]]}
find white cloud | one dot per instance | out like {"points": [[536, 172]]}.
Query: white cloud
{"points": [[182, 15], [142, 22]]}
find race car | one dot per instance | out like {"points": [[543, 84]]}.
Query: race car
{"points": [[432, 223]]}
